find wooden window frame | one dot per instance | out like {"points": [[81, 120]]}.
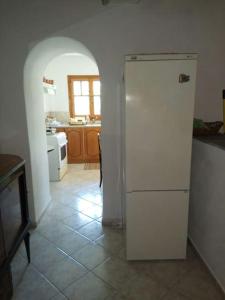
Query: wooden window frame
{"points": [[90, 79]]}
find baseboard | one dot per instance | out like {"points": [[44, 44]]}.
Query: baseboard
{"points": [[35, 224], [207, 265], [117, 223]]}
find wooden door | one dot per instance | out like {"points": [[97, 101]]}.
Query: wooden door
{"points": [[91, 144], [75, 147]]}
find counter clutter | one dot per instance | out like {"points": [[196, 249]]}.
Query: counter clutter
{"points": [[77, 125]]}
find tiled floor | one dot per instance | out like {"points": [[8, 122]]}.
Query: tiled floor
{"points": [[74, 257]]}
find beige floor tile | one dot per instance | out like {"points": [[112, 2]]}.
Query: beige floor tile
{"points": [[115, 272], [47, 257], [19, 266], [91, 256], [164, 272], [121, 254], [47, 219], [94, 187], [80, 204], [66, 188], [83, 192], [144, 288], [59, 297], [38, 243], [88, 208], [198, 284], [59, 211], [79, 191], [116, 296], [34, 286], [99, 220], [92, 230], [71, 242], [173, 295], [77, 220], [65, 272], [89, 287], [66, 200], [113, 240], [22, 250], [54, 230], [92, 197], [94, 211]]}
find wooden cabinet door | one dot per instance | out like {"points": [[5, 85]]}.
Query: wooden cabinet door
{"points": [[91, 144], [11, 216], [75, 146]]}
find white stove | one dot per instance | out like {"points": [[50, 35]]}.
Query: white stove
{"points": [[57, 158]]}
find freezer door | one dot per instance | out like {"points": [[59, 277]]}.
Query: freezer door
{"points": [[159, 119], [157, 225]]}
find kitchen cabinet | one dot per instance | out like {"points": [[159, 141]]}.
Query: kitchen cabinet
{"points": [[91, 148], [82, 144], [75, 146]]}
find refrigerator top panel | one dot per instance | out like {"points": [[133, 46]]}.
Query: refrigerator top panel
{"points": [[167, 56], [159, 120]]}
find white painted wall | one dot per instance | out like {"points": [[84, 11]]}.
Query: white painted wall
{"points": [[151, 27], [58, 69], [109, 33], [207, 206]]}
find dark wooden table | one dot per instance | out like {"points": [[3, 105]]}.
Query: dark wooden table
{"points": [[14, 217]]}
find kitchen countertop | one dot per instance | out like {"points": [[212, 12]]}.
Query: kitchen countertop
{"points": [[77, 125], [207, 203], [215, 140]]}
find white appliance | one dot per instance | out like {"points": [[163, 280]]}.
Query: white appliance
{"points": [[57, 158], [160, 92]]}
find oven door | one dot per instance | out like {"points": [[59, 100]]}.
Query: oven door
{"points": [[63, 154]]}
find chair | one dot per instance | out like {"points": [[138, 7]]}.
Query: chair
{"points": [[100, 158]]}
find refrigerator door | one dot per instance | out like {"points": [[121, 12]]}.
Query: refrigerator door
{"points": [[159, 119], [157, 225]]}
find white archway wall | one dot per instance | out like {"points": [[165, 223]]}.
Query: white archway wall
{"points": [[110, 33], [57, 70], [35, 65]]}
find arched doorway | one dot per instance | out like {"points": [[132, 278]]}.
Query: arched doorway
{"points": [[35, 65]]}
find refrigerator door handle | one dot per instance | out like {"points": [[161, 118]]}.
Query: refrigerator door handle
{"points": [[184, 78]]}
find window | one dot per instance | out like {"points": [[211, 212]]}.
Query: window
{"points": [[84, 96]]}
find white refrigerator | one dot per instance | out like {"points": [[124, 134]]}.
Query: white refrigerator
{"points": [[160, 92]]}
